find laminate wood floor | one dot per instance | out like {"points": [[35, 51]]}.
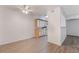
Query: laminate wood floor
{"points": [[26, 46], [70, 45]]}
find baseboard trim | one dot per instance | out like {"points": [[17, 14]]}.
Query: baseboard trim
{"points": [[73, 35], [16, 41]]}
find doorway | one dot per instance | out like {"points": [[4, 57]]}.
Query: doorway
{"points": [[40, 28]]}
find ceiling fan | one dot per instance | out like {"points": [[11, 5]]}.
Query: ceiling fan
{"points": [[25, 9]]}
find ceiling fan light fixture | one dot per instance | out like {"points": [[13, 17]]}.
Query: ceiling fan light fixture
{"points": [[24, 11]]}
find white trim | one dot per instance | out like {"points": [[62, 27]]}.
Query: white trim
{"points": [[73, 17]]}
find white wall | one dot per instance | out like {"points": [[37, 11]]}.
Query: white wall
{"points": [[15, 26], [63, 27], [62, 20], [54, 26], [73, 27]]}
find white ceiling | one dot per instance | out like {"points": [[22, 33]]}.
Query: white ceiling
{"points": [[41, 9], [69, 11], [37, 9]]}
